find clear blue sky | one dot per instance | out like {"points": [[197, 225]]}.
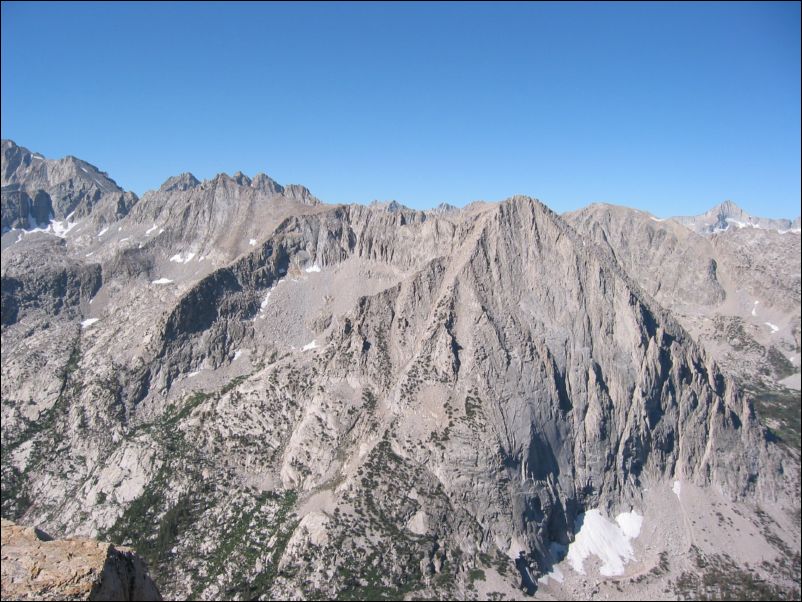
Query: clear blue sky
{"points": [[669, 108]]}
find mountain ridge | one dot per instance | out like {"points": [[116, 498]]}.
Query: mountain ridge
{"points": [[719, 213], [272, 397]]}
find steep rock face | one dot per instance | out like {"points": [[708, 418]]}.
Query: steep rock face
{"points": [[60, 284], [736, 291], [37, 567], [688, 270], [215, 316], [587, 390], [36, 190], [182, 182]]}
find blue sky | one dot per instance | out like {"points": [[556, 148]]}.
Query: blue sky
{"points": [[665, 107]]}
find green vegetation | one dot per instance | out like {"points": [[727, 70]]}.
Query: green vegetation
{"points": [[473, 407], [780, 364], [732, 330], [44, 432], [718, 578], [781, 411], [141, 525], [174, 415], [239, 549], [285, 526], [369, 400], [373, 555], [173, 511]]}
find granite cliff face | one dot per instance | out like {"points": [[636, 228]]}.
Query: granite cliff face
{"points": [[37, 567], [737, 291], [273, 397], [41, 193]]}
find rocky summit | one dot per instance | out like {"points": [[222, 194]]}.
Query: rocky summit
{"points": [[36, 567], [270, 397]]}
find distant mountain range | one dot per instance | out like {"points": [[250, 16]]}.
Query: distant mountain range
{"points": [[728, 214]]}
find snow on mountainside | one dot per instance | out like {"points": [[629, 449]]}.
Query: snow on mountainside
{"points": [[729, 215]]}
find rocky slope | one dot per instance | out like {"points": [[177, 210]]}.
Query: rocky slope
{"points": [[273, 397], [37, 567], [737, 291]]}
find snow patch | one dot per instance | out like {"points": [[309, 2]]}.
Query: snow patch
{"points": [[740, 225], [88, 322], [162, 281], [313, 268], [630, 523], [264, 301], [57, 228], [252, 242], [309, 346], [773, 327], [149, 230], [237, 353], [103, 231], [754, 308], [191, 374], [657, 219], [677, 488], [609, 541], [124, 239], [62, 228], [182, 257]]}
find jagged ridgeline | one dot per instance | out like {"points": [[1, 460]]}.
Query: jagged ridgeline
{"points": [[271, 397]]}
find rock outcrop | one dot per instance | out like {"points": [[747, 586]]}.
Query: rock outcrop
{"points": [[37, 567]]}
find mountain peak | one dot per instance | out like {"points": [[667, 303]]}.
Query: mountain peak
{"points": [[728, 214], [265, 183], [241, 179], [444, 208], [727, 206], [301, 194], [45, 189], [391, 206], [183, 181]]}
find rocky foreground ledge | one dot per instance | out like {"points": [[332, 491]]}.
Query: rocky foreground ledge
{"points": [[37, 567]]}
